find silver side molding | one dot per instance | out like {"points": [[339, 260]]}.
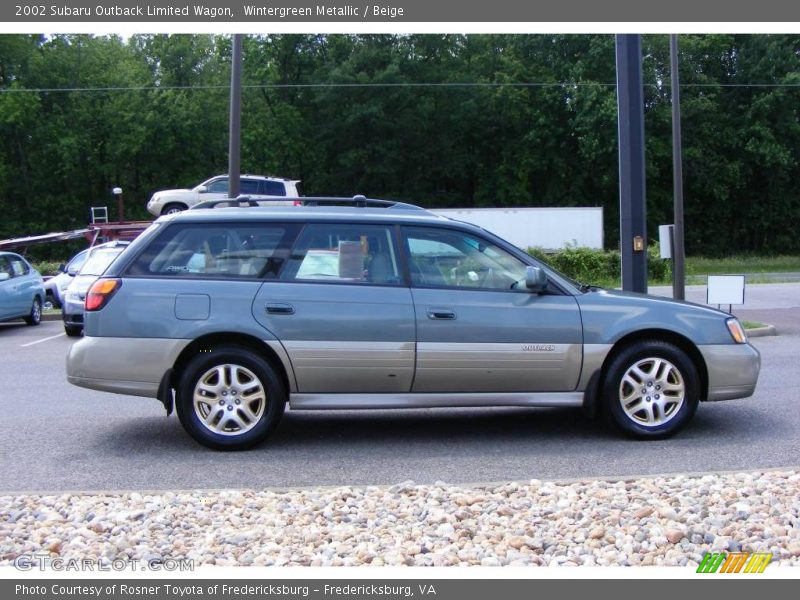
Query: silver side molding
{"points": [[432, 400]]}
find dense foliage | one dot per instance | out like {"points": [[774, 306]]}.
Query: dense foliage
{"points": [[454, 121]]}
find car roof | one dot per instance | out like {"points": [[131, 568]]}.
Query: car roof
{"points": [[251, 176]]}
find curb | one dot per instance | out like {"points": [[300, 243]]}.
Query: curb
{"points": [[761, 331], [51, 316]]}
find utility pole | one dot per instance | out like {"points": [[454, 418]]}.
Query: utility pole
{"points": [[678, 251], [235, 132], [632, 204]]}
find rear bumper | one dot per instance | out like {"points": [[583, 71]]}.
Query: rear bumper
{"points": [[732, 370], [133, 366]]}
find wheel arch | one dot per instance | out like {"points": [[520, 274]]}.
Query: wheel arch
{"points": [[212, 340], [592, 393]]}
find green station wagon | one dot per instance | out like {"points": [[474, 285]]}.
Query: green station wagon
{"points": [[228, 313]]}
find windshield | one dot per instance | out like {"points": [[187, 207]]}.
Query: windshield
{"points": [[99, 260]]}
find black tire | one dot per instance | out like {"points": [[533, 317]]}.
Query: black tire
{"points": [[73, 330], [258, 431], [174, 207], [35, 316], [674, 415]]}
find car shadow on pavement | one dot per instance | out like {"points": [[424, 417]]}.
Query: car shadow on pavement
{"points": [[321, 428]]}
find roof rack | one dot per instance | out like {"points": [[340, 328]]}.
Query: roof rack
{"points": [[358, 201]]}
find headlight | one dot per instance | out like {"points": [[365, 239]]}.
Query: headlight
{"points": [[76, 296], [736, 329]]}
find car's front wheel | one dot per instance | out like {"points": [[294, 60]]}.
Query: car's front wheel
{"points": [[651, 390], [35, 316], [230, 398]]}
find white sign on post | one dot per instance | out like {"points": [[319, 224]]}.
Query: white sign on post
{"points": [[665, 240], [725, 289]]}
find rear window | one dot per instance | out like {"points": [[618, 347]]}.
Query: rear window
{"points": [[216, 251], [98, 261]]}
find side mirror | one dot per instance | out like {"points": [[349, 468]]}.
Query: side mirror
{"points": [[535, 279], [202, 189], [4, 276], [62, 268]]}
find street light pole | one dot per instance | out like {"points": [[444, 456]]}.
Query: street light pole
{"points": [[678, 252], [235, 132]]}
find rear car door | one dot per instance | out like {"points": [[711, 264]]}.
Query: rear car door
{"points": [[342, 311], [478, 327]]}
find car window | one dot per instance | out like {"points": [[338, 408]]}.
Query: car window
{"points": [[232, 250], [77, 261], [248, 186], [220, 186], [5, 267], [348, 253], [272, 188], [448, 258], [18, 267]]}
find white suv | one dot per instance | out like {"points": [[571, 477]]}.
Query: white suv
{"points": [[255, 186]]}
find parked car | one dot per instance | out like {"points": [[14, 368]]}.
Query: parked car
{"points": [[95, 263], [56, 286], [230, 313], [255, 186], [21, 290]]}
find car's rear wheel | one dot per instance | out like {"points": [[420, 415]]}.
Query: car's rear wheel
{"points": [[73, 330], [171, 209], [651, 390], [35, 316], [230, 398]]}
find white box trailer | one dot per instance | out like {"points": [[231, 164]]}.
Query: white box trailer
{"points": [[549, 228]]}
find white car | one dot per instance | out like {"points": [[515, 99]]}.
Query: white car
{"points": [[167, 202]]}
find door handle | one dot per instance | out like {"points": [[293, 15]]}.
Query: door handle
{"points": [[441, 314], [280, 308]]}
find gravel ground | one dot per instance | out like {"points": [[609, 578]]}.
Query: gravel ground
{"points": [[651, 521]]}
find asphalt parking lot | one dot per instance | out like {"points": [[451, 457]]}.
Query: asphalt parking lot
{"points": [[59, 437]]}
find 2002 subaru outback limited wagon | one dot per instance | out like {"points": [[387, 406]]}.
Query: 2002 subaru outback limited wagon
{"points": [[230, 313]]}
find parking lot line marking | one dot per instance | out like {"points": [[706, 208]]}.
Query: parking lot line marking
{"points": [[52, 337]]}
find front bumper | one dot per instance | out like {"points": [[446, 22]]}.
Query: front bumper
{"points": [[133, 366], [732, 370], [72, 311]]}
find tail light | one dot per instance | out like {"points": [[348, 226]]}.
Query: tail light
{"points": [[101, 292], [298, 203]]}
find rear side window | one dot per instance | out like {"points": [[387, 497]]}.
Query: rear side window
{"points": [[249, 251], [272, 188], [248, 186], [344, 253]]}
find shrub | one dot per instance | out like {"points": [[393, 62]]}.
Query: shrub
{"points": [[588, 265], [46, 267]]}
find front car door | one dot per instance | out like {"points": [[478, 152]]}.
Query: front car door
{"points": [[478, 327], [342, 311], [24, 284], [7, 298]]}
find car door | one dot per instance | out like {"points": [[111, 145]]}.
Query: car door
{"points": [[342, 311], [23, 284], [478, 327], [216, 189], [7, 299]]}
